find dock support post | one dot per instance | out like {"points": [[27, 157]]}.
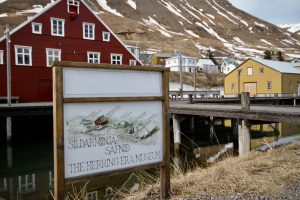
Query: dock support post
{"points": [[244, 137], [235, 128], [176, 132], [245, 101], [295, 102], [276, 131], [8, 129]]}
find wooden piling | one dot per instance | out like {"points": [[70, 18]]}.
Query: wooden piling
{"points": [[244, 137], [8, 129], [176, 132], [245, 101], [235, 129]]}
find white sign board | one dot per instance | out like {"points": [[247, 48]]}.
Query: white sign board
{"points": [[101, 137], [111, 83], [109, 118]]}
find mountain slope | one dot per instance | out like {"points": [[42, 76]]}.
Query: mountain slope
{"points": [[192, 25]]}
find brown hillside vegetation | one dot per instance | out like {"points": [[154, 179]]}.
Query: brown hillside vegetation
{"points": [[202, 79], [272, 175]]}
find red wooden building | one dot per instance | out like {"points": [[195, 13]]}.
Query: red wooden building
{"points": [[66, 30]]}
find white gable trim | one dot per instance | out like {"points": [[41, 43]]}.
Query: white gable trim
{"points": [[104, 24], [31, 19]]}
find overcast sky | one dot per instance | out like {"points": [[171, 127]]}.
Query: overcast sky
{"points": [[274, 11]]}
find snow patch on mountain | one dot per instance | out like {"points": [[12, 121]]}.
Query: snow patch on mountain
{"points": [[161, 29], [293, 28], [4, 15], [260, 25], [266, 42], [203, 48], [172, 8], [2, 1], [211, 16], [35, 9], [239, 40], [211, 31], [132, 4], [192, 33], [221, 13], [103, 4]]}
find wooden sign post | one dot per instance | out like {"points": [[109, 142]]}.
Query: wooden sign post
{"points": [[109, 119]]}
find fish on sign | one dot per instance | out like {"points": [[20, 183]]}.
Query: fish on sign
{"points": [[119, 126]]}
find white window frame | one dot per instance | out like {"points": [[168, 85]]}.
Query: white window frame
{"points": [[1, 57], [63, 27], [24, 184], [116, 61], [250, 71], [269, 85], [104, 38], [47, 56], [40, 25], [23, 55], [92, 195], [73, 3], [93, 53], [88, 37], [132, 62]]}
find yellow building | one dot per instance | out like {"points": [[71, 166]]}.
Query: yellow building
{"points": [[263, 77]]}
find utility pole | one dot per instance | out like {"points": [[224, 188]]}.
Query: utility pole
{"points": [[8, 63], [239, 86], [195, 80], [180, 74]]}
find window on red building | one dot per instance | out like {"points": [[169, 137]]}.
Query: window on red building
{"points": [[88, 31], [53, 55], [73, 6], [116, 59], [23, 55], [57, 27], [93, 57]]}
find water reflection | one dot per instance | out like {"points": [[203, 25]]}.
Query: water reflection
{"points": [[26, 166]]}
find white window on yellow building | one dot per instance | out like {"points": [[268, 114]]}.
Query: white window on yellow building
{"points": [[232, 87], [250, 71], [261, 70], [269, 85]]}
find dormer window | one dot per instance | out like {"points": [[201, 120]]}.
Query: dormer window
{"points": [[36, 28], [106, 36], [73, 6]]}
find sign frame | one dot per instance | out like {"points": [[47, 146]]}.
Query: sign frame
{"points": [[58, 122]]}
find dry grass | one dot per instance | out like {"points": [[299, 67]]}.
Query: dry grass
{"points": [[254, 173]]}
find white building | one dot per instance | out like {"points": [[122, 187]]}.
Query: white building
{"points": [[207, 65], [188, 64], [228, 65]]}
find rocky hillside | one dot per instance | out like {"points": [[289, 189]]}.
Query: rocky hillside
{"points": [[167, 25]]}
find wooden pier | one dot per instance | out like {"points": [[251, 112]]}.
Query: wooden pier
{"points": [[242, 114]]}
